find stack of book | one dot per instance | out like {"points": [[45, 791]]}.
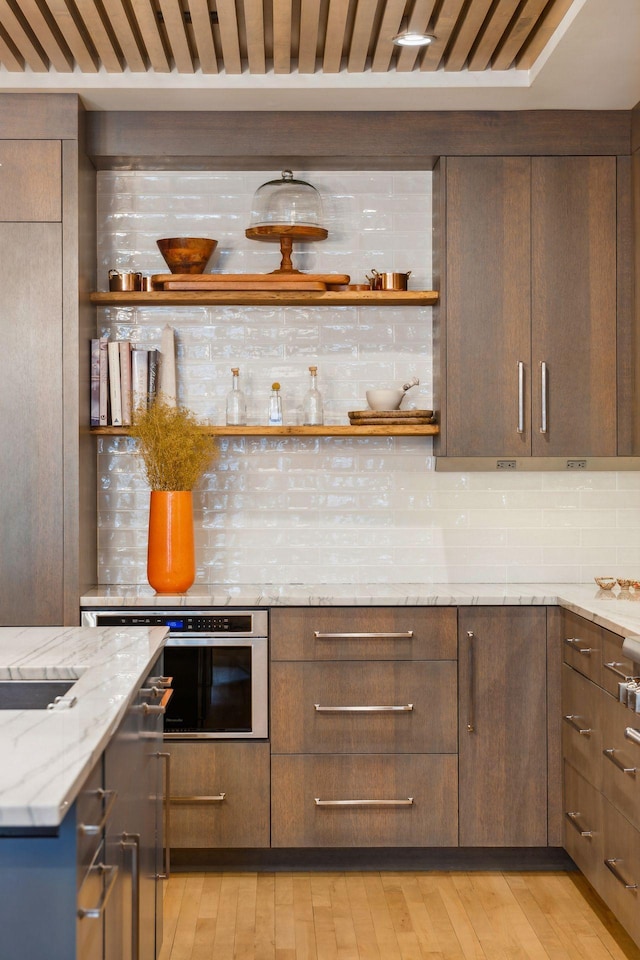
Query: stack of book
{"points": [[123, 376]]}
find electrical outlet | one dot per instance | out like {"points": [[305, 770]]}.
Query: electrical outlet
{"points": [[576, 464], [505, 465]]}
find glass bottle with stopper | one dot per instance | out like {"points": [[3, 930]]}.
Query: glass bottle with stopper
{"points": [[236, 402], [312, 413], [275, 406]]}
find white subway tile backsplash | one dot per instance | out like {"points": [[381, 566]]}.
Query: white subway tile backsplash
{"points": [[328, 510]]}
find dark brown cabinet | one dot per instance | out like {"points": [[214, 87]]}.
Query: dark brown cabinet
{"points": [[526, 343], [502, 676]]}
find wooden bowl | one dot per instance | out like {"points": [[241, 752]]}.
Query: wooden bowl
{"points": [[187, 254]]}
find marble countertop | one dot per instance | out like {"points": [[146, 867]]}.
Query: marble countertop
{"points": [[617, 610], [45, 755]]}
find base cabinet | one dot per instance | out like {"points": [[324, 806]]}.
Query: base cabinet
{"points": [[503, 727], [220, 794], [601, 763]]}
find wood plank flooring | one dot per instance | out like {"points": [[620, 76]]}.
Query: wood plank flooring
{"points": [[389, 916]]}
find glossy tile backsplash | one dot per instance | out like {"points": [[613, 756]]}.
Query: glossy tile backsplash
{"points": [[328, 510]]}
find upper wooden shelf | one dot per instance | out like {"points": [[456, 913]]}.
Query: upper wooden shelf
{"points": [[243, 298], [330, 430]]}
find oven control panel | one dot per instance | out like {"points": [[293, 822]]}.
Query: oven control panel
{"points": [[181, 622]]}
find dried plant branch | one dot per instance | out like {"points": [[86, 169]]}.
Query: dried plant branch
{"points": [[175, 450]]}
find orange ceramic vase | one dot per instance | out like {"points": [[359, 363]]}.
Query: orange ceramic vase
{"points": [[171, 565]]}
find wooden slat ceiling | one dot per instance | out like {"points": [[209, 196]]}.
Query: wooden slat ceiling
{"points": [[282, 36]]}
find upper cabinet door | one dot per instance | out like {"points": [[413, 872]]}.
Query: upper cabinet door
{"points": [[488, 303], [574, 306], [30, 181]]}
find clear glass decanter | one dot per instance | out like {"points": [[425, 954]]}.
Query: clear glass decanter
{"points": [[312, 414], [275, 406], [236, 402]]}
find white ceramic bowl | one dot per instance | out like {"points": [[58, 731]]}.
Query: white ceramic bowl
{"points": [[384, 399]]}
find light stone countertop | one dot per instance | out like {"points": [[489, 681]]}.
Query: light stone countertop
{"points": [[45, 755], [617, 610]]}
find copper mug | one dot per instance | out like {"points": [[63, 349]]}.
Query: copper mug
{"points": [[388, 281], [124, 281]]}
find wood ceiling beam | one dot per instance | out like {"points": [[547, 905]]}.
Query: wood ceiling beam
{"points": [[10, 60], [282, 36], [362, 35], [543, 33], [470, 25], [228, 24], [203, 35], [72, 29], [491, 34], [389, 27], [517, 33], [109, 55], [177, 35], [335, 35], [32, 55], [254, 26], [418, 21], [54, 46], [147, 20]]}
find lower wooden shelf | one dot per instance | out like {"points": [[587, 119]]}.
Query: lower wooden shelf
{"points": [[330, 430]]}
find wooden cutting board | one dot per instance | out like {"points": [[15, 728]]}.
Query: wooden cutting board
{"points": [[390, 421], [268, 279], [390, 414], [244, 285]]}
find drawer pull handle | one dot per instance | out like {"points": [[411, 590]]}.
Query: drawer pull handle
{"points": [[571, 719], [573, 641], [404, 708], [610, 754], [407, 635], [520, 427], [543, 396], [572, 817], [93, 829], [95, 913], [161, 681], [216, 798], [160, 708], [613, 666], [166, 757], [632, 734], [471, 703], [363, 803], [611, 865]]}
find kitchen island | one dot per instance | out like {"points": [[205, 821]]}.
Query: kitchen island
{"points": [[81, 813]]}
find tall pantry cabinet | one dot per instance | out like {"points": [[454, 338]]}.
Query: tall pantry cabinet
{"points": [[47, 459]]}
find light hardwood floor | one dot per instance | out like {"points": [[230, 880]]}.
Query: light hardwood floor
{"points": [[389, 916]]}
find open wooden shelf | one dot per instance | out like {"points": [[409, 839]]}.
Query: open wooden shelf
{"points": [[243, 298], [330, 430]]}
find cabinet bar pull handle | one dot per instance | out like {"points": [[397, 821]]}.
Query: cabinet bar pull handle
{"points": [[471, 706], [132, 841], [164, 755], [610, 754], [543, 396], [571, 720], [92, 829], [363, 803], [613, 666], [404, 708], [572, 817], [161, 707], [406, 635], [520, 396], [632, 734], [161, 681], [95, 913], [216, 798], [611, 865], [573, 643]]}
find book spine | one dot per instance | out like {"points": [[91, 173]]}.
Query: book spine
{"points": [[104, 382], [153, 375], [115, 391], [125, 381], [139, 377], [94, 396]]}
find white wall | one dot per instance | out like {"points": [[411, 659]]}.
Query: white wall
{"points": [[316, 510]]}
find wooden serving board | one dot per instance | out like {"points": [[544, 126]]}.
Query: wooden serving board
{"points": [[390, 414], [390, 421], [230, 279], [245, 285]]}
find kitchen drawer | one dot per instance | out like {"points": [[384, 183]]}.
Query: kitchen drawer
{"points": [[219, 794], [364, 801], [364, 633], [330, 707], [621, 848], [30, 181], [583, 839], [582, 644], [621, 758], [582, 725], [615, 666]]}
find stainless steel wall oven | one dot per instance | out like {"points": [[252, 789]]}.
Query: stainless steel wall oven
{"points": [[219, 661]]}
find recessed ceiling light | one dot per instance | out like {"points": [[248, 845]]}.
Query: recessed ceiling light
{"points": [[412, 38]]}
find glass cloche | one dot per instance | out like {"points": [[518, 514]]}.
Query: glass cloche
{"points": [[286, 202]]}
